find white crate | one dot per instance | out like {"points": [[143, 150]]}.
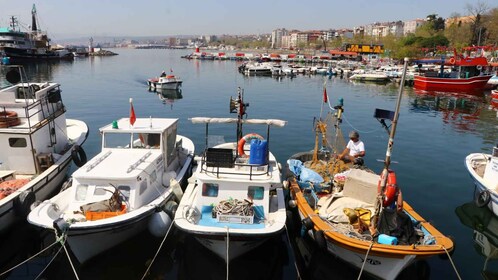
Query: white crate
{"points": [[235, 219]]}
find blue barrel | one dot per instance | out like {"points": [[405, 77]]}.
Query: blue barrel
{"points": [[259, 152]]}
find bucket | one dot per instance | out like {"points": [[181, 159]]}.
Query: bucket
{"points": [[387, 239], [259, 152]]}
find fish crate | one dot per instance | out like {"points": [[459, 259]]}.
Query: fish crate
{"points": [[235, 219], [93, 215]]}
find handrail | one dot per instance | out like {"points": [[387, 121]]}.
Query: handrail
{"points": [[253, 168]]}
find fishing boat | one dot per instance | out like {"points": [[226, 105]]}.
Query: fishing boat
{"points": [[234, 201], [38, 145], [465, 75], [485, 233], [483, 168], [134, 183], [164, 82], [358, 215], [28, 45]]}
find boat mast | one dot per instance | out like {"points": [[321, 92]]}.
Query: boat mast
{"points": [[390, 143], [34, 26]]}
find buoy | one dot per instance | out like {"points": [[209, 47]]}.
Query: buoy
{"points": [[159, 224], [243, 140], [22, 203], [170, 208]]}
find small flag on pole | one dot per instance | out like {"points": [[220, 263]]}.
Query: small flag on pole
{"points": [[325, 98], [133, 117], [171, 70]]}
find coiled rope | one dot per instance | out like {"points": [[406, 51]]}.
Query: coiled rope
{"points": [[234, 207]]}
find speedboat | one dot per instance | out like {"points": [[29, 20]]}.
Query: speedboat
{"points": [[132, 184], [483, 168], [165, 82], [376, 77], [355, 214], [38, 145], [234, 200]]}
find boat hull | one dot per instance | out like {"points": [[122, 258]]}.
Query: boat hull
{"points": [[480, 184], [158, 85], [451, 84]]}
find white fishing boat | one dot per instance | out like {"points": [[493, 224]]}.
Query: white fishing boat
{"points": [[38, 145], [132, 184], [234, 201], [165, 82], [376, 77], [483, 169]]}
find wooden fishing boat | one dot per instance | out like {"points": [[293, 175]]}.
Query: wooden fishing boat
{"points": [[465, 75], [38, 145], [133, 184], [360, 216], [234, 201]]}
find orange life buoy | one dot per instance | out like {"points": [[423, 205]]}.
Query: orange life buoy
{"points": [[8, 119], [391, 189], [243, 140], [452, 60]]}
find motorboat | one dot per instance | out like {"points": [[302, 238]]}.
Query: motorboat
{"points": [[483, 168], [376, 77], [465, 75], [165, 82], [134, 183], [348, 210], [38, 145], [234, 201]]}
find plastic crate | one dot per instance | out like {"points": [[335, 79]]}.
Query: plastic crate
{"points": [[93, 216]]}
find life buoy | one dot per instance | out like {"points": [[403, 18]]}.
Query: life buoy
{"points": [[243, 140], [8, 119], [391, 189], [23, 202], [452, 60], [78, 155]]}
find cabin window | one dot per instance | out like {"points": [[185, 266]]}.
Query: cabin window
{"points": [[153, 177], [17, 143], [171, 142], [256, 192], [124, 192], [143, 187], [117, 140], [101, 191], [210, 189], [81, 191]]}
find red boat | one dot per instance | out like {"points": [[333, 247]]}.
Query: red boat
{"points": [[465, 75]]}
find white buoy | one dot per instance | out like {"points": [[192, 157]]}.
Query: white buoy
{"points": [[159, 224]]}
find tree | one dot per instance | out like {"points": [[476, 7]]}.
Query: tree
{"points": [[477, 27]]}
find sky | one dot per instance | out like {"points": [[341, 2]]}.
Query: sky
{"points": [[64, 19]]}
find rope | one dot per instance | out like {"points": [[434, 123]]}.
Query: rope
{"points": [[63, 242], [365, 260], [235, 207], [452, 263], [371, 131], [292, 249], [30, 258], [228, 247], [50, 262], [157, 252]]}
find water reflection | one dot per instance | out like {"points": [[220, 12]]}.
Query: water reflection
{"points": [[168, 96], [40, 71], [460, 110], [485, 235]]}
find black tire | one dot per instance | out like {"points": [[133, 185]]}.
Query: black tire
{"points": [[319, 237], [307, 223], [22, 203], [78, 155], [482, 198]]}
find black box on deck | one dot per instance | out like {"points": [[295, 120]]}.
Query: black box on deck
{"points": [[216, 157]]}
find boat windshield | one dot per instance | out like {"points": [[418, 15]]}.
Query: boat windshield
{"points": [[135, 140]]}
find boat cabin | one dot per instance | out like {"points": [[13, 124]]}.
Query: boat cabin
{"points": [[32, 127], [135, 160]]}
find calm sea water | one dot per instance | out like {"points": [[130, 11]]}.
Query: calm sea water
{"points": [[434, 134]]}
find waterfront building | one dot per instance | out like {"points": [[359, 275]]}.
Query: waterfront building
{"points": [[411, 25]]}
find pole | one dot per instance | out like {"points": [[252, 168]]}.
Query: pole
{"points": [[390, 144]]}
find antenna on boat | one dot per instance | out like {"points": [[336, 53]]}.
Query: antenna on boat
{"points": [[238, 106], [392, 132]]}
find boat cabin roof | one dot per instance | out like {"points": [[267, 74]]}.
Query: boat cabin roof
{"points": [[141, 125]]}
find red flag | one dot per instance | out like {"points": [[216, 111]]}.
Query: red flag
{"points": [[325, 95], [133, 118]]}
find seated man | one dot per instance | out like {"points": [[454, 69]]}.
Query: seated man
{"points": [[355, 149]]}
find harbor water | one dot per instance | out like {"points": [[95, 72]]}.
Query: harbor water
{"points": [[435, 132]]}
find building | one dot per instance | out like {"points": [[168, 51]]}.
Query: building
{"points": [[458, 20], [276, 37], [412, 25]]}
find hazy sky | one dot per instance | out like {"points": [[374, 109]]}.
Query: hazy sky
{"points": [[76, 18]]}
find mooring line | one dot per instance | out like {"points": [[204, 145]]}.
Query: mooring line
{"points": [[228, 247], [157, 252], [293, 252], [452, 263], [365, 260]]}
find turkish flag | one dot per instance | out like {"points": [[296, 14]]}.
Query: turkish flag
{"points": [[133, 118], [325, 95]]}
